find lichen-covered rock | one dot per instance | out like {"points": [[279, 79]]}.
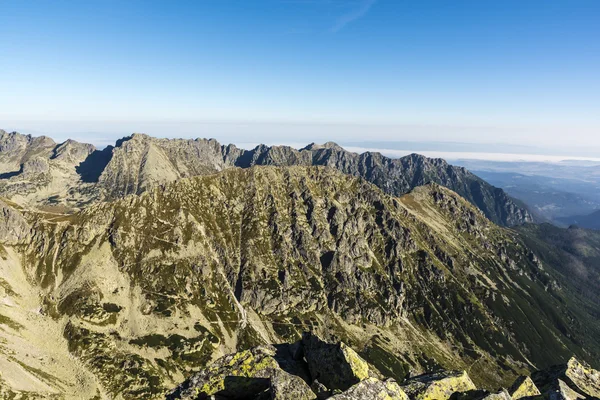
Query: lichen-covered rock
{"points": [[263, 371], [372, 388], [237, 375], [482, 395], [287, 386], [568, 380], [562, 391], [523, 387], [335, 365], [438, 386]]}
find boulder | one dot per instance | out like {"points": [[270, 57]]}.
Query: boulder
{"points": [[523, 387], [482, 395], [568, 380], [287, 386], [438, 386], [373, 388], [562, 391], [239, 375], [334, 365]]}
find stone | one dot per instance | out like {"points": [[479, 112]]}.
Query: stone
{"points": [[482, 395], [373, 388], [287, 386], [335, 365], [438, 386], [13, 226], [237, 375], [568, 380], [523, 387], [320, 390]]}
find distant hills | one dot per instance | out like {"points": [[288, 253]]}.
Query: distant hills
{"points": [[590, 221]]}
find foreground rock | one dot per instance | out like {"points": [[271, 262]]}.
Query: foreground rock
{"points": [[317, 369], [373, 388], [573, 380], [281, 372], [334, 365], [438, 386], [248, 374], [523, 387], [502, 394]]}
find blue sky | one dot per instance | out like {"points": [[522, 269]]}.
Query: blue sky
{"points": [[522, 72]]}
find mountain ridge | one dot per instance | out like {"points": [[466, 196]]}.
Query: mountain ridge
{"points": [[139, 161]]}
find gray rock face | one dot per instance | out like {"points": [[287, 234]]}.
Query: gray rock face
{"points": [[13, 227], [16, 149], [396, 176]]}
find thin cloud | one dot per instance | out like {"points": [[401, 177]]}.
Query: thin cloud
{"points": [[359, 12]]}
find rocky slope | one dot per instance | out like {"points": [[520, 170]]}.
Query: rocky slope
{"points": [[139, 162], [137, 294]]}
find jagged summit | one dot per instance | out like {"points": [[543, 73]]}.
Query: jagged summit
{"points": [[327, 145], [139, 161]]}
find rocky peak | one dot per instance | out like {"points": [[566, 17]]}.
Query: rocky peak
{"points": [[327, 145]]}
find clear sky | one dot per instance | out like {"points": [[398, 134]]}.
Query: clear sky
{"points": [[510, 71]]}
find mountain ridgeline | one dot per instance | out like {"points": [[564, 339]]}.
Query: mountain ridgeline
{"points": [[139, 162]]}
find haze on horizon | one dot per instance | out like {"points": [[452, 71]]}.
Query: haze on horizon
{"points": [[485, 73]]}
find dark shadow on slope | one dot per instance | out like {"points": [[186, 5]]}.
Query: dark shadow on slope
{"points": [[8, 175], [91, 168]]}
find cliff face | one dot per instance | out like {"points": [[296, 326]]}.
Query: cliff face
{"points": [[148, 288], [74, 174]]}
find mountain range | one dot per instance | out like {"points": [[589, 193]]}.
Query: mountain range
{"points": [[125, 271], [39, 171]]}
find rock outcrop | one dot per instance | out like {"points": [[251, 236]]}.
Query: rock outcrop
{"points": [[249, 374], [13, 227], [334, 365]]}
